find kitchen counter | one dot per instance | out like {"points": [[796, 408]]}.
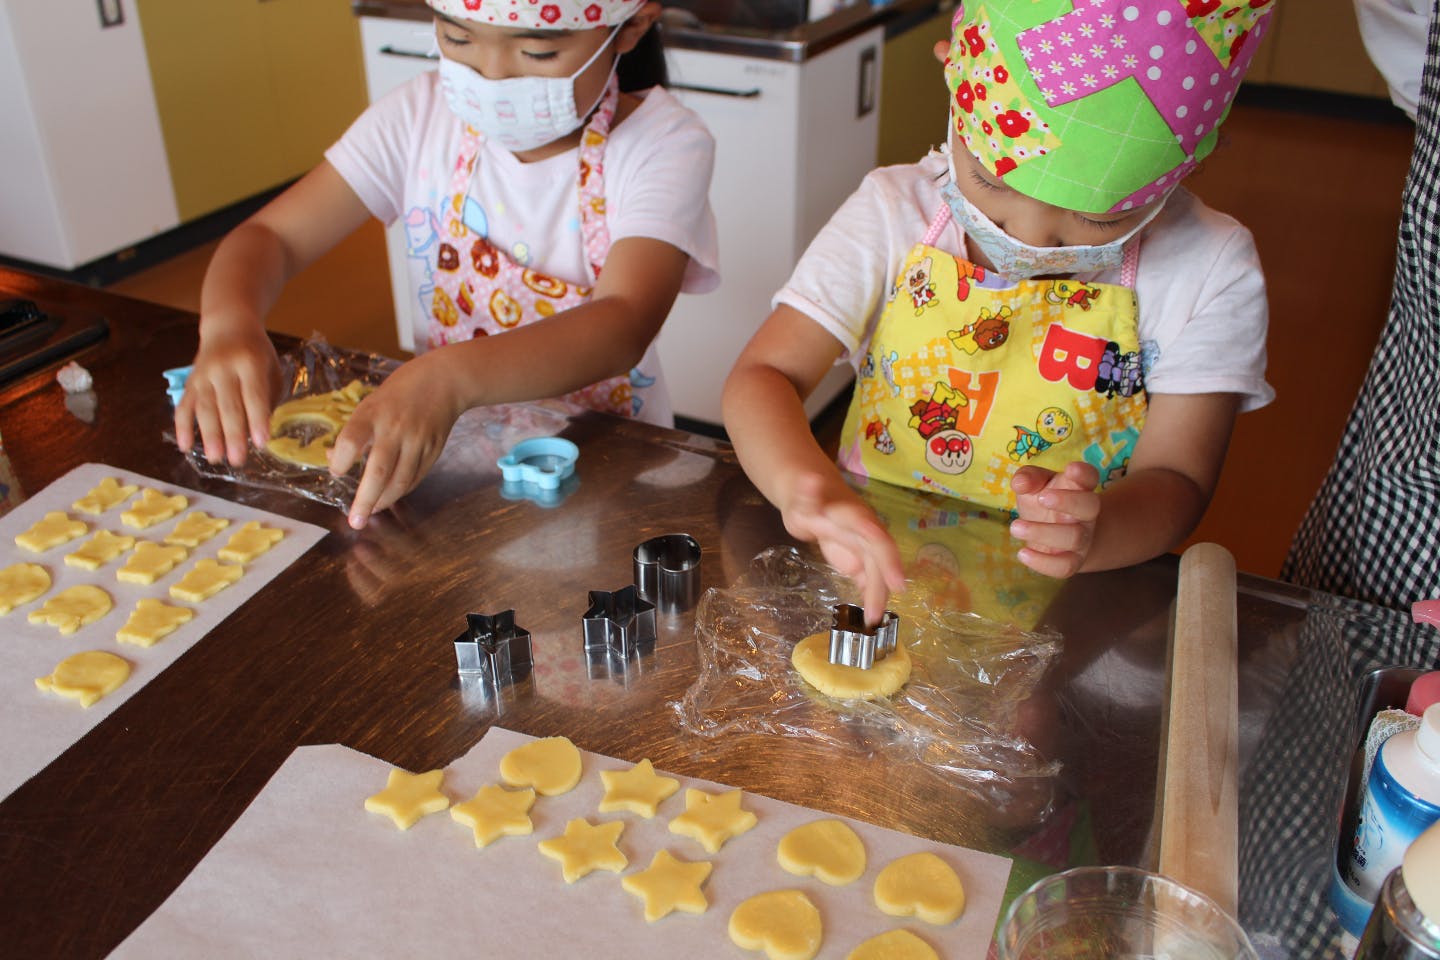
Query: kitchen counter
{"points": [[794, 44], [351, 645]]}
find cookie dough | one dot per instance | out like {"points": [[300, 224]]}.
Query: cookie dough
{"points": [[195, 528], [21, 583], [495, 812], [712, 819], [99, 550], [150, 562], [86, 676], [69, 610], [109, 493], [783, 923], [153, 507], [207, 578], [827, 849], [586, 848], [894, 945], [920, 885], [327, 412], [670, 884], [249, 542], [51, 531], [639, 790], [550, 765], [811, 659], [152, 621], [409, 796]]}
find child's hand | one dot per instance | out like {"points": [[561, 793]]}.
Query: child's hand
{"points": [[1057, 517], [849, 536], [229, 394], [405, 423]]}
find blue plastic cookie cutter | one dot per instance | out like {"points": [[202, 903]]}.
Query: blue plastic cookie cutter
{"points": [[545, 462], [175, 383]]}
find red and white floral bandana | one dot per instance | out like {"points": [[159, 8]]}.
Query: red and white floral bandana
{"points": [[540, 14]]}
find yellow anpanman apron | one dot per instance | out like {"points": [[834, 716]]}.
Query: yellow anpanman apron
{"points": [[968, 377]]}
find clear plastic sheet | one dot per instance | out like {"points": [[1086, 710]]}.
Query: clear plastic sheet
{"points": [[957, 714]]}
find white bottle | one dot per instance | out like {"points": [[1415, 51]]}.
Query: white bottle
{"points": [[1401, 799]]}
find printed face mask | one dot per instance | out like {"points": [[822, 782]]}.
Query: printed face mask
{"points": [[1015, 260], [519, 113]]}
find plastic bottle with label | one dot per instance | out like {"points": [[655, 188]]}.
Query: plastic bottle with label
{"points": [[1401, 799], [1405, 924]]}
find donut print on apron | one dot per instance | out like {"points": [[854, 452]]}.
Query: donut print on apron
{"points": [[969, 376], [480, 290]]}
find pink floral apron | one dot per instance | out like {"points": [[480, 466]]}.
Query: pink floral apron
{"points": [[480, 290]]}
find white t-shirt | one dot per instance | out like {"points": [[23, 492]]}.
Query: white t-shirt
{"points": [[1203, 314], [398, 157], [1395, 33]]}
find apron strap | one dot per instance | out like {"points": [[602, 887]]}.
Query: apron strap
{"points": [[937, 224], [1130, 265]]}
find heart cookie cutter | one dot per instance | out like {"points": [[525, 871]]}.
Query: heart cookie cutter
{"points": [[619, 622], [667, 571], [853, 644], [493, 649]]}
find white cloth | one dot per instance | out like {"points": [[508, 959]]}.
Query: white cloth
{"points": [[1203, 314], [399, 154], [1394, 33]]}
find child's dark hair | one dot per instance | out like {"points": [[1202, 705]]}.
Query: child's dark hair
{"points": [[644, 66]]}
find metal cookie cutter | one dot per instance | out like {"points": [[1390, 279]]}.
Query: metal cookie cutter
{"points": [[493, 649], [620, 622], [667, 571], [852, 644]]}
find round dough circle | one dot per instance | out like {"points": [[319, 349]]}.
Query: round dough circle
{"points": [[812, 661], [551, 765]]}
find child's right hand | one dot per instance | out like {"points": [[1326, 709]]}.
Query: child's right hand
{"points": [[849, 535], [229, 393]]}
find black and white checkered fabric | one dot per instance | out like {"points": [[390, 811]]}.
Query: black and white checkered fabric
{"points": [[1373, 531]]}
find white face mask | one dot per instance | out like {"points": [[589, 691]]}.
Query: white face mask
{"points": [[519, 113], [1015, 260]]}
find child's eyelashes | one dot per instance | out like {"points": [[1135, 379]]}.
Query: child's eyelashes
{"points": [[545, 55], [1100, 224], [982, 182]]}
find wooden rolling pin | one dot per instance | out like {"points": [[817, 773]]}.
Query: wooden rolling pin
{"points": [[1199, 799]]}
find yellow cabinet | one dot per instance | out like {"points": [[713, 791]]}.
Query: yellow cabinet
{"points": [[249, 92]]}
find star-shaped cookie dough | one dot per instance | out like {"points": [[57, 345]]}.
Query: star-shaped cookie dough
{"points": [[207, 578], [54, 529], [150, 562], [712, 818], [153, 507], [151, 621], [670, 884], [21, 583], [249, 542], [86, 676], [496, 812], [69, 610], [99, 550], [586, 847], [195, 528], [640, 790], [409, 796], [109, 493]]}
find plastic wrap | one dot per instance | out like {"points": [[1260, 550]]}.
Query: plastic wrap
{"points": [[957, 714]]}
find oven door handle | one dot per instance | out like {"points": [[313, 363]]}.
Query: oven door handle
{"points": [[751, 94], [391, 51]]}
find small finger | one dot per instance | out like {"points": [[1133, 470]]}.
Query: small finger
{"points": [[1051, 537], [185, 422], [212, 439], [1057, 565], [378, 469], [873, 592], [1083, 505], [401, 480], [346, 449], [257, 411], [232, 424]]}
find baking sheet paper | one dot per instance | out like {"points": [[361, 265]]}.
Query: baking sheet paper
{"points": [[35, 726], [307, 872]]}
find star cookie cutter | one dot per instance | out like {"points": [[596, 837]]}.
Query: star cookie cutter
{"points": [[667, 571], [619, 622], [853, 644], [493, 649], [543, 461]]}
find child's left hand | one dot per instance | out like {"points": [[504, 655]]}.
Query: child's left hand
{"points": [[405, 422], [1057, 517]]}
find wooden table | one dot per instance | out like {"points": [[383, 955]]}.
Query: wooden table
{"points": [[352, 645]]}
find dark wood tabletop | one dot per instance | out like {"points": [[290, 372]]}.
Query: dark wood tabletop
{"points": [[352, 645]]}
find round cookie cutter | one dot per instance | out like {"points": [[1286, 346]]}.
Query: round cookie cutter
{"points": [[545, 462]]}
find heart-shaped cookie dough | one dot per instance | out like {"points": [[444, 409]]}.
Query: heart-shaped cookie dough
{"points": [[894, 945], [920, 885], [783, 923], [551, 766], [827, 849]]}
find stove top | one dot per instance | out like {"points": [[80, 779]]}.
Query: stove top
{"points": [[30, 337]]}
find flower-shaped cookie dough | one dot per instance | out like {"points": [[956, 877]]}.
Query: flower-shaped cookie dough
{"points": [[640, 790], [495, 812], [207, 578], [153, 507], [409, 796], [109, 493], [895, 944], [150, 562], [21, 583], [783, 923], [249, 542], [586, 847], [550, 765], [827, 849], [920, 885], [670, 884], [86, 676], [152, 621], [195, 528], [99, 550], [712, 819], [69, 610], [52, 530]]}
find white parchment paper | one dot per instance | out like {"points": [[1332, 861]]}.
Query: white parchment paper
{"points": [[307, 872], [36, 727]]}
